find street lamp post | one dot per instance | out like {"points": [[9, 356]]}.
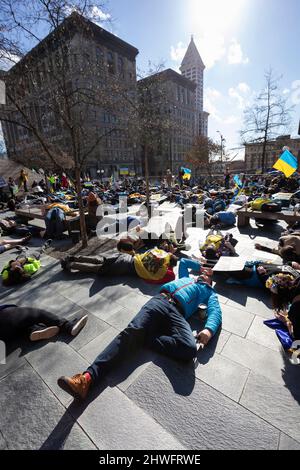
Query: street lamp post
{"points": [[100, 174], [223, 140]]}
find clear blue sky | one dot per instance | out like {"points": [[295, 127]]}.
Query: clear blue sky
{"points": [[237, 39]]}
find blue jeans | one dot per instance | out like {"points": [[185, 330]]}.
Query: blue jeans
{"points": [[159, 326], [55, 222]]}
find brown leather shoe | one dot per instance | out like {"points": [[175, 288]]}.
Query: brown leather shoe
{"points": [[77, 386]]}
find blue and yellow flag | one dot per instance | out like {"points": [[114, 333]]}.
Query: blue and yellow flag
{"points": [[287, 163], [237, 181], [187, 173]]}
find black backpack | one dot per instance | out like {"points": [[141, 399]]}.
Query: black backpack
{"points": [[271, 207]]}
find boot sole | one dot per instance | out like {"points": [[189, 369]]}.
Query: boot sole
{"points": [[46, 333], [63, 383], [79, 325]]}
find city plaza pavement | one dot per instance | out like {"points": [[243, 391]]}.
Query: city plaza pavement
{"points": [[242, 394]]}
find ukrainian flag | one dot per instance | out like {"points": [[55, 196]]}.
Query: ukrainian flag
{"points": [[287, 163], [237, 181], [187, 173]]}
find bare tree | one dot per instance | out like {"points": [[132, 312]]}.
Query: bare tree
{"points": [[202, 154], [65, 104], [268, 117]]}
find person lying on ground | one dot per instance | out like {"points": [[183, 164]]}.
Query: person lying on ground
{"points": [[11, 227], [162, 326], [23, 268], [217, 245], [35, 324], [288, 247], [139, 238], [214, 206], [8, 244], [154, 266], [254, 274], [223, 219]]}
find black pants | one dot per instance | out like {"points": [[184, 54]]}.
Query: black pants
{"points": [[294, 316], [159, 326], [114, 265], [24, 230], [20, 321]]}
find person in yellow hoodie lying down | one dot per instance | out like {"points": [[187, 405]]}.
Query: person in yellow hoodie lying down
{"points": [[154, 266]]}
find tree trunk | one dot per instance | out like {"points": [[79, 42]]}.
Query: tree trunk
{"points": [[46, 183], [147, 178], [81, 209], [263, 156]]}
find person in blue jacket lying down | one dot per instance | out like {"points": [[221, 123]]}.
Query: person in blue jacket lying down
{"points": [[162, 325]]}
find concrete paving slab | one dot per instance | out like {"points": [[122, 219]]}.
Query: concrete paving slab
{"points": [[261, 334], [235, 320], [257, 358], [54, 360], [276, 404], [32, 418], [114, 421], [287, 443], [94, 348], [199, 416], [223, 375]]}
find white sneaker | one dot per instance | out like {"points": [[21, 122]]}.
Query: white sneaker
{"points": [[44, 333], [78, 325]]}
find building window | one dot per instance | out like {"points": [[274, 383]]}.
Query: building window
{"points": [[121, 66], [99, 55], [110, 63]]}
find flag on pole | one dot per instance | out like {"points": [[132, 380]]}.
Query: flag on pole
{"points": [[287, 163], [187, 173], [237, 181]]}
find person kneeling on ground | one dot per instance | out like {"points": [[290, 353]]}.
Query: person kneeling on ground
{"points": [[160, 325], [35, 323], [154, 266]]}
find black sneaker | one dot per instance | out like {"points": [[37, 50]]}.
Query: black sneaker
{"points": [[76, 325], [65, 265]]}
